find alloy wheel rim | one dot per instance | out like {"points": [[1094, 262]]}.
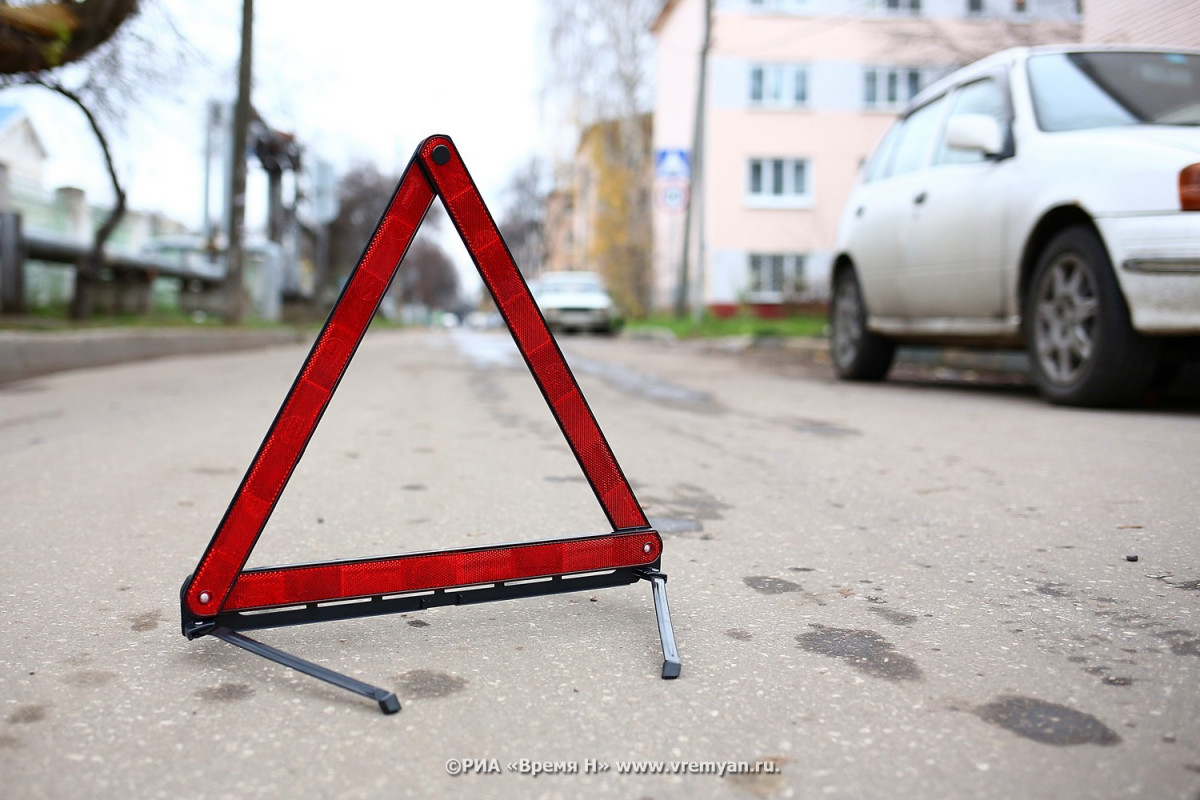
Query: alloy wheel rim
{"points": [[1066, 318]]}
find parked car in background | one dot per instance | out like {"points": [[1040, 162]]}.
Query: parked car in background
{"points": [[1044, 197], [576, 301]]}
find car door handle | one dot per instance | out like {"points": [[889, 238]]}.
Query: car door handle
{"points": [[919, 199]]}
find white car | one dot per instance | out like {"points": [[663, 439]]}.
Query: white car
{"points": [[576, 301], [1047, 197]]}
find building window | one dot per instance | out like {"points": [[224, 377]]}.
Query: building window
{"points": [[775, 276], [778, 85], [890, 87], [974, 6], [779, 182], [911, 6], [1019, 6], [778, 6]]}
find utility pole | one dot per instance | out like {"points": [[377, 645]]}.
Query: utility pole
{"points": [[235, 291], [695, 192]]}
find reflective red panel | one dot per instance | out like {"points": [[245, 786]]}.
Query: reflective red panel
{"points": [[424, 571]]}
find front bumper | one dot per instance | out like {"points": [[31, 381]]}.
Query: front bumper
{"points": [[1157, 261], [589, 319]]}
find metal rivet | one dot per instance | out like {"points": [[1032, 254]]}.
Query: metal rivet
{"points": [[441, 155], [646, 548], [205, 597]]}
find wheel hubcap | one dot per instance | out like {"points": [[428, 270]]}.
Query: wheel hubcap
{"points": [[1066, 320]]}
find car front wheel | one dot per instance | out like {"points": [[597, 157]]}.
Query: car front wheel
{"points": [[1082, 348], [858, 354]]}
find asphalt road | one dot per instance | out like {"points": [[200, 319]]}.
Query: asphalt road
{"points": [[911, 590]]}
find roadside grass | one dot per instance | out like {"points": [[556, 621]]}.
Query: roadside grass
{"points": [[743, 324]]}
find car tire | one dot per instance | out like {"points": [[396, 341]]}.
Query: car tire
{"points": [[857, 353], [1083, 351]]}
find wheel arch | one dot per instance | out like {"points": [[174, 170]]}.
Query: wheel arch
{"points": [[841, 264], [1050, 225]]}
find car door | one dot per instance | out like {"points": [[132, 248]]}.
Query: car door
{"points": [[880, 211], [954, 252]]}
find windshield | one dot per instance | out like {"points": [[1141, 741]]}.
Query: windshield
{"points": [[581, 283], [1074, 91]]}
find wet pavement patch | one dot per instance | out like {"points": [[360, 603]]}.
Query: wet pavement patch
{"points": [[764, 783], [769, 585], [1114, 680], [893, 616], [23, 715], [739, 634], [9, 742], [1047, 723], [820, 427], [418, 623], [226, 692], [1052, 589], [89, 678], [425, 683], [146, 621], [866, 651], [215, 470], [1183, 643]]}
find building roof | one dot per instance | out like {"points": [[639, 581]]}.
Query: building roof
{"points": [[11, 117]]}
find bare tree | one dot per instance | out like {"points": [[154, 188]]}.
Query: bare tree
{"points": [[523, 222], [116, 74], [427, 275], [601, 53]]}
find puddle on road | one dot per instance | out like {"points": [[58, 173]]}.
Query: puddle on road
{"points": [[427, 683], [488, 350], [866, 651], [1047, 723], [768, 585], [645, 386]]}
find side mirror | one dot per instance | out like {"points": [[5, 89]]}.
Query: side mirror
{"points": [[978, 132]]}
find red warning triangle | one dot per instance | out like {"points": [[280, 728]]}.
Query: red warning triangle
{"points": [[222, 596]]}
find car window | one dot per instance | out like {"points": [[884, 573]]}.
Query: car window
{"points": [[916, 138], [981, 97], [882, 159], [1074, 91]]}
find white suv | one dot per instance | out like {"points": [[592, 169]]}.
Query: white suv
{"points": [[1046, 197]]}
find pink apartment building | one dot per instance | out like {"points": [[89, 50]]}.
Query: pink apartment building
{"points": [[798, 93]]}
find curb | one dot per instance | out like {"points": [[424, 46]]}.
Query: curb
{"points": [[27, 355]]}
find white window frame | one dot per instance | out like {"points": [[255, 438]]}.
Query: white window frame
{"points": [[883, 78], [777, 6], [792, 272], [900, 7], [778, 84], [777, 183]]}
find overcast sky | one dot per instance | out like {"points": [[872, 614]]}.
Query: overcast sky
{"points": [[354, 79]]}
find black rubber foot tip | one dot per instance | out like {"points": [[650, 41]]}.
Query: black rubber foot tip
{"points": [[671, 669], [441, 155], [389, 704]]}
